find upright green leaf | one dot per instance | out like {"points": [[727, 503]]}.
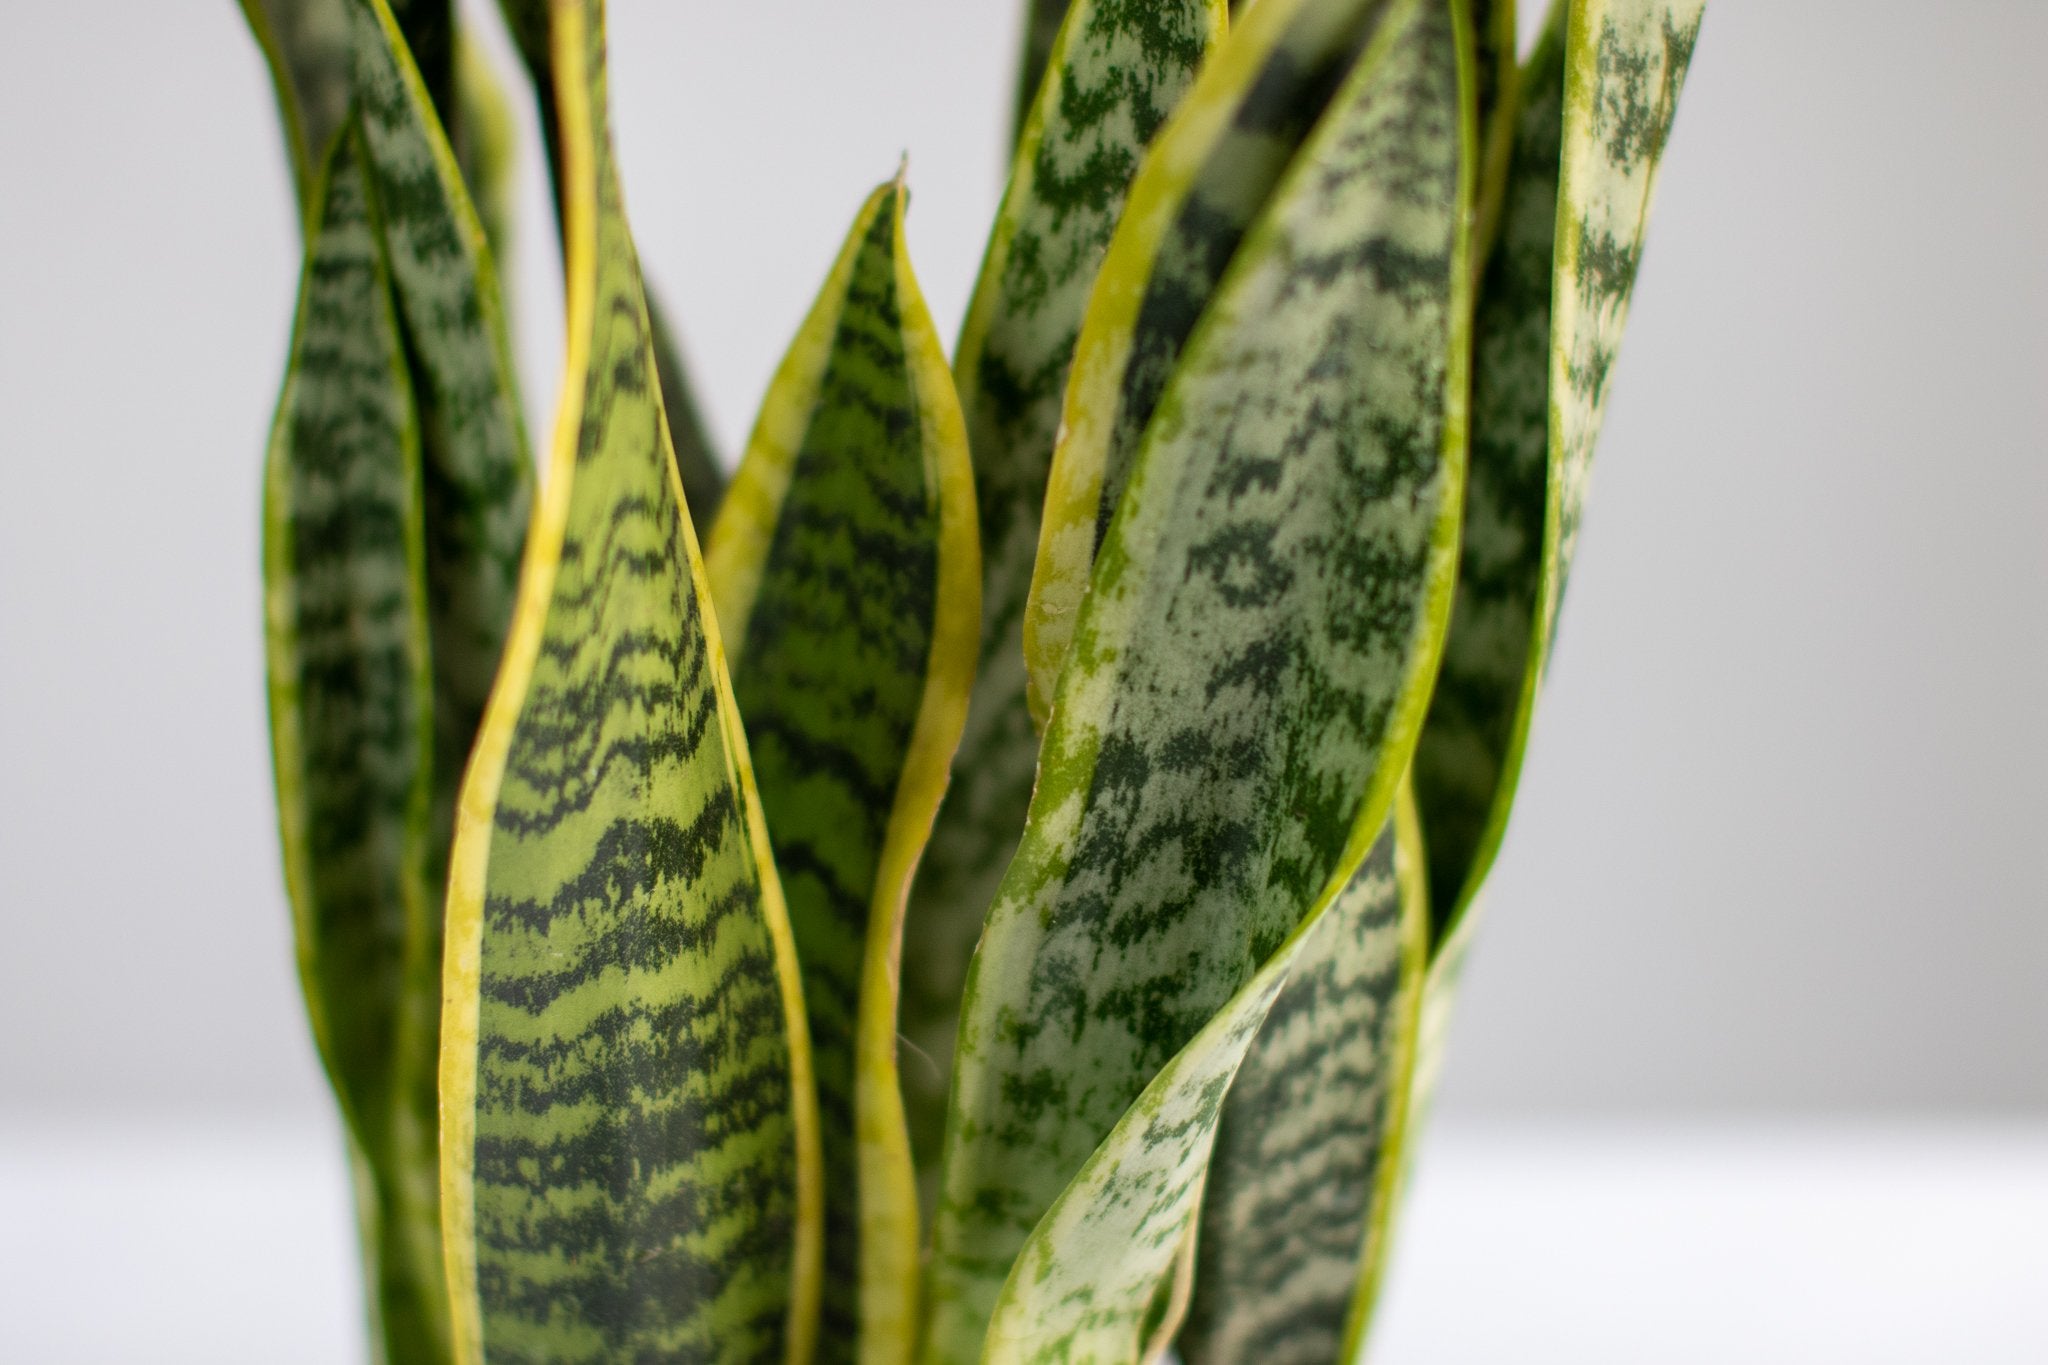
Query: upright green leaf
{"points": [[1302, 1181], [1042, 19], [629, 1132], [478, 469], [345, 609], [309, 46], [1598, 97], [1625, 62], [1472, 742], [1213, 169], [1245, 685], [1116, 72], [845, 568], [306, 45], [703, 477], [1085, 1288]]}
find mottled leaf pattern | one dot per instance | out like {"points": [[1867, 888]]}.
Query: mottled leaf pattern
{"points": [[1625, 61], [351, 730], [1085, 1287], [478, 471], [1199, 190], [629, 1139], [1303, 1176], [844, 567], [1117, 72], [1251, 662]]}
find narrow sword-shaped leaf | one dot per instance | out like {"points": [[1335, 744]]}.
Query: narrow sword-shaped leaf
{"points": [[1202, 184], [1304, 1171], [1042, 20], [1251, 664], [306, 45], [1117, 70], [350, 692], [1478, 719], [1599, 94], [845, 569], [629, 1136], [1082, 1290], [478, 469], [703, 477]]}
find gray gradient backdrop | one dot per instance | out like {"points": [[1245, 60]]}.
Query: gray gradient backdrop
{"points": [[1779, 842]]}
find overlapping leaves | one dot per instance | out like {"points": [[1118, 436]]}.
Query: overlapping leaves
{"points": [[1221, 941]]}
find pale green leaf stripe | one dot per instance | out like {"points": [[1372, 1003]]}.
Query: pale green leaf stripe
{"points": [[351, 738], [1252, 660], [1204, 181], [844, 566], [1083, 1289], [1302, 1181], [1625, 61], [703, 477], [629, 1130], [1116, 72], [1601, 89]]}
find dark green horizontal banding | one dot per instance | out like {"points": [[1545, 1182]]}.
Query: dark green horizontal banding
{"points": [[629, 1140], [844, 567]]}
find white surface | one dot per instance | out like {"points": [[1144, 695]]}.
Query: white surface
{"points": [[1579, 1246]]}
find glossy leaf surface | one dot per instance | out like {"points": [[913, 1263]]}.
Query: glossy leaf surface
{"points": [[844, 567], [1250, 667], [629, 1128], [1201, 186], [1117, 71]]}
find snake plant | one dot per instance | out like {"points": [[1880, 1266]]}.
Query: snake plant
{"points": [[986, 881]]}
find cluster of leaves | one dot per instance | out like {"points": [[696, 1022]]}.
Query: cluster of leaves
{"points": [[976, 909]]}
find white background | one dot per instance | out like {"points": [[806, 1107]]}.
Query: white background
{"points": [[1778, 852]]}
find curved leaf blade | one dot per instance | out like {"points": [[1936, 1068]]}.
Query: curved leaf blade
{"points": [[1251, 664], [845, 568], [478, 469], [1203, 183], [1598, 98], [1302, 1180], [1472, 743], [629, 1159], [350, 694], [1083, 1289], [703, 477], [1116, 72]]}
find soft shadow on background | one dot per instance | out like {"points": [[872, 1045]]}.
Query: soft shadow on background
{"points": [[1777, 853]]}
